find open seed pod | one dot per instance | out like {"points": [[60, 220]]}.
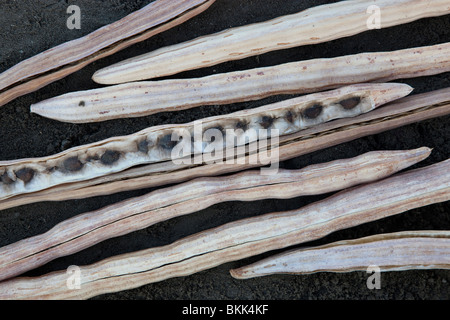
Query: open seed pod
{"points": [[418, 120], [90, 228], [243, 238], [405, 111], [171, 142]]}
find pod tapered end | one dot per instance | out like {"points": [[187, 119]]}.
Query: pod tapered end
{"points": [[388, 92]]}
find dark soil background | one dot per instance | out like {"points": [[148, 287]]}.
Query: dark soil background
{"points": [[29, 27]]}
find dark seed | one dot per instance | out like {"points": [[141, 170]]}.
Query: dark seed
{"points": [[72, 164], [242, 125], [109, 157], [25, 174], [313, 112], [350, 103], [81, 104], [166, 142], [6, 179], [51, 169], [266, 122], [290, 116], [143, 146]]}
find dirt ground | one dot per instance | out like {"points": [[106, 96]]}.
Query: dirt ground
{"points": [[32, 26]]}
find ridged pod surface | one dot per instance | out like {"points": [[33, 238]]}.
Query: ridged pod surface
{"points": [[169, 142], [66, 58], [314, 25], [244, 238], [143, 98], [396, 251], [90, 228]]}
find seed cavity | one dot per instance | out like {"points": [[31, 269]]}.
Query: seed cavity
{"points": [[266, 121], [313, 111], [289, 116], [242, 125], [6, 179], [350, 103], [72, 164], [25, 174], [109, 157], [166, 142], [92, 158]]}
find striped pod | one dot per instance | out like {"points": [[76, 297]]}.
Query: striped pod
{"points": [[402, 112], [143, 98], [311, 26], [396, 251], [66, 58], [170, 142], [243, 238], [90, 228]]}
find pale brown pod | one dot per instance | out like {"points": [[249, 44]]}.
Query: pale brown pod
{"points": [[243, 238], [143, 98], [314, 25], [90, 228], [172, 142], [64, 59], [398, 251], [399, 113]]}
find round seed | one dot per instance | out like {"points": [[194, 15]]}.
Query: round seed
{"points": [[6, 179], [313, 111], [109, 157], [350, 103], [72, 164], [266, 121], [25, 174]]}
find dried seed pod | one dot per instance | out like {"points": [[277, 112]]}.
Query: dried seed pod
{"points": [[134, 214], [411, 109], [144, 98], [244, 238], [314, 25], [119, 153], [389, 252], [62, 60]]}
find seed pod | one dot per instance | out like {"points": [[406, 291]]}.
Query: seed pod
{"points": [[119, 153], [137, 99], [314, 25], [405, 111], [90, 228], [396, 251], [244, 238], [64, 59]]}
